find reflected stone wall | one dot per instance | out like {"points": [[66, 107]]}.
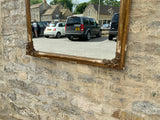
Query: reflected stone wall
{"points": [[40, 89]]}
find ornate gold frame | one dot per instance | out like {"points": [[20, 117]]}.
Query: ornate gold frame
{"points": [[117, 63]]}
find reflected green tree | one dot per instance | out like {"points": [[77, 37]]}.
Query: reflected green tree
{"points": [[80, 8], [64, 3], [96, 1], [35, 1], [112, 2]]}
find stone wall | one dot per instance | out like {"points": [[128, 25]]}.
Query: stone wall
{"points": [[43, 8], [46, 18], [53, 16], [65, 13], [42, 89], [90, 11], [35, 14]]}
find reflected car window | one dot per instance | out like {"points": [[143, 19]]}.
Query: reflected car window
{"points": [[40, 24], [115, 18], [52, 25], [63, 24], [105, 25], [73, 20]]}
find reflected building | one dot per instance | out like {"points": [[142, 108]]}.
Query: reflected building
{"points": [[56, 12], [106, 12], [38, 9], [44, 12]]}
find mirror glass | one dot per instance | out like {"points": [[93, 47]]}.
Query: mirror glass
{"points": [[59, 29]]}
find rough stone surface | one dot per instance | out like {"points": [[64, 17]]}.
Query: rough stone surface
{"points": [[126, 115], [33, 88], [86, 79], [87, 106], [64, 75], [146, 107]]}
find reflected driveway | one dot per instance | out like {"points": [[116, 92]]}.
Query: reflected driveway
{"points": [[100, 48]]}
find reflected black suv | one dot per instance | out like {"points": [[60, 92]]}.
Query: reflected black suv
{"points": [[113, 32], [81, 27]]}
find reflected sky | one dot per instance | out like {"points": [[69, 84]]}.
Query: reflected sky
{"points": [[74, 1]]}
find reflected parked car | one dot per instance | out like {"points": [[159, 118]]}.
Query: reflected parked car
{"points": [[40, 26], [105, 26], [46, 23], [113, 32], [82, 27], [55, 30]]}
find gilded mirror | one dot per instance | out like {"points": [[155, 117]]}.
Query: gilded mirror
{"points": [[97, 51]]}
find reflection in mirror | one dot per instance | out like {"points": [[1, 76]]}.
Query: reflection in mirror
{"points": [[92, 33], [97, 37]]}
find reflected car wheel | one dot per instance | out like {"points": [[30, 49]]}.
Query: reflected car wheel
{"points": [[58, 35], [99, 33], [70, 38], [110, 37], [88, 36], [47, 36]]}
